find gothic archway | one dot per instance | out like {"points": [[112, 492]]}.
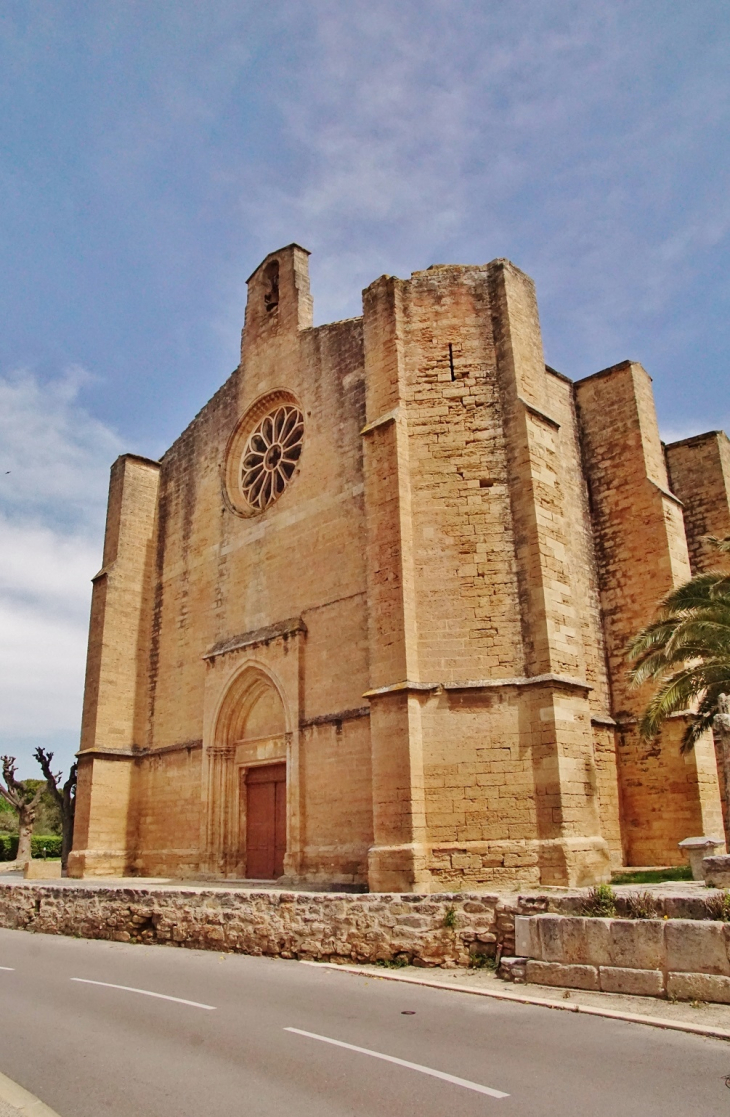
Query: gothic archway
{"points": [[246, 786]]}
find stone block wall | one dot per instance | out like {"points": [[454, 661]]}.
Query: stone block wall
{"points": [[427, 627], [435, 930], [642, 554], [485, 638], [699, 471], [441, 929], [117, 683], [193, 597], [685, 959]]}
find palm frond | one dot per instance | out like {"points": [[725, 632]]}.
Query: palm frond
{"points": [[675, 693], [685, 652], [695, 729]]}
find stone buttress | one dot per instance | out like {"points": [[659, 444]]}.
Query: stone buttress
{"points": [[642, 554], [117, 676], [482, 743]]}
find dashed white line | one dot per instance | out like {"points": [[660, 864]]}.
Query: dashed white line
{"points": [[404, 1063], [144, 992], [8, 968]]}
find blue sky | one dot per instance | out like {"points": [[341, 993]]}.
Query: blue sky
{"points": [[152, 153]]}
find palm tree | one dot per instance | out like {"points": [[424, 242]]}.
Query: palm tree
{"points": [[686, 652]]}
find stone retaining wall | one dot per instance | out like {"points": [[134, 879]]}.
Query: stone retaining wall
{"points": [[683, 959], [437, 930], [447, 929]]}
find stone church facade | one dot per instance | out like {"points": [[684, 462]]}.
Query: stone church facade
{"points": [[364, 623]]}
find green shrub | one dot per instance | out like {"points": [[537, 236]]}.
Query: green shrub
{"points": [[50, 842], [483, 962], [600, 902], [9, 846]]}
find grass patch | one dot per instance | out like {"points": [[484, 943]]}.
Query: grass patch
{"points": [[642, 905], [652, 876], [600, 902], [396, 963], [450, 917], [719, 906], [483, 962]]}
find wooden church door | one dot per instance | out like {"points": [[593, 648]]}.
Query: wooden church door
{"points": [[265, 790]]}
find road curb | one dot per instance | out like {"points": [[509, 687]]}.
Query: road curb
{"points": [[520, 998], [26, 1103]]}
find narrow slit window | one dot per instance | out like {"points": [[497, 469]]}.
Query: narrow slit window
{"points": [[271, 286]]}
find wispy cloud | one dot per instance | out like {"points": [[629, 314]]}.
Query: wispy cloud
{"points": [[53, 479], [557, 135], [51, 448]]}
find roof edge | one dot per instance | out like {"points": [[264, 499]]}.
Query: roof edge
{"points": [[276, 253]]}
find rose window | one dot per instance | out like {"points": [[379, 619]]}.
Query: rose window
{"points": [[271, 455]]}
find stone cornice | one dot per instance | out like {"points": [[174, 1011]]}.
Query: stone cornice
{"points": [[108, 754], [388, 417], [331, 719], [395, 688], [539, 413], [666, 492], [482, 684], [136, 753], [257, 636]]}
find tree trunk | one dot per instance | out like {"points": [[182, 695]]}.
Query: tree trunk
{"points": [[26, 819], [67, 831]]}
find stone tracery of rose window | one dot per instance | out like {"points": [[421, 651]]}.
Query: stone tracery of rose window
{"points": [[271, 455]]}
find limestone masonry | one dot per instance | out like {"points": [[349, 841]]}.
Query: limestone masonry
{"points": [[364, 623]]}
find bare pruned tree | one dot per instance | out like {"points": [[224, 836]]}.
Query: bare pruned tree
{"points": [[25, 800], [64, 796]]}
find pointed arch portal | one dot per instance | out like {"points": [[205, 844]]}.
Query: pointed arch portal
{"points": [[247, 780]]}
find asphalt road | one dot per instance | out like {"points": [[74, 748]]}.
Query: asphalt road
{"points": [[93, 1050]]}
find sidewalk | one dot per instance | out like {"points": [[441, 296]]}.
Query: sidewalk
{"points": [[11, 874], [18, 1102], [13, 871], [696, 1014]]}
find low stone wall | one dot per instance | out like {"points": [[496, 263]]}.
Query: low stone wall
{"points": [[683, 959], [435, 930], [716, 871], [447, 929]]}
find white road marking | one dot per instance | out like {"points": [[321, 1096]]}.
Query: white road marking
{"points": [[144, 992], [404, 1063], [8, 968]]}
